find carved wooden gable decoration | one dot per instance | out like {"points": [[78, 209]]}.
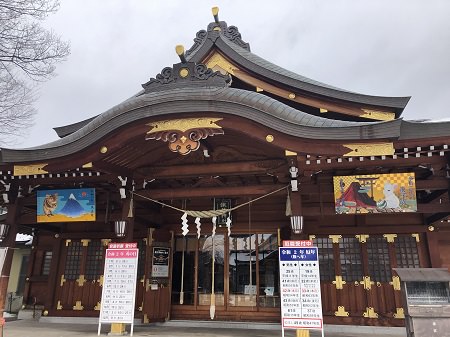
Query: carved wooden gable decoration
{"points": [[184, 135]]}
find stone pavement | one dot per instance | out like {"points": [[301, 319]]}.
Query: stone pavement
{"points": [[30, 328]]}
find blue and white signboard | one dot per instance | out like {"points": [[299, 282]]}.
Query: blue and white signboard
{"points": [[301, 306]]}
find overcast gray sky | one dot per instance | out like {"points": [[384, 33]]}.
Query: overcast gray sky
{"points": [[383, 47]]}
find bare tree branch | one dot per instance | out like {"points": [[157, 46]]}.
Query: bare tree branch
{"points": [[28, 54]]}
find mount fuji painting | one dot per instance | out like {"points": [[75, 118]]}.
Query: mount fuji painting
{"points": [[66, 205]]}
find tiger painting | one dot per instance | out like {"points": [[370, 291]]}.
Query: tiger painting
{"points": [[50, 204]]}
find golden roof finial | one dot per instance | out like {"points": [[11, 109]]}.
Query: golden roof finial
{"points": [[215, 13], [180, 52]]}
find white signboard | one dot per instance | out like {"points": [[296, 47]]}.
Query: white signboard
{"points": [[119, 284], [301, 306]]}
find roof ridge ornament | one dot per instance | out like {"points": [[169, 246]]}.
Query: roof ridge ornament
{"points": [[186, 74], [218, 28]]}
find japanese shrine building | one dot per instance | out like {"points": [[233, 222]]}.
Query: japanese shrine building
{"points": [[224, 129]]}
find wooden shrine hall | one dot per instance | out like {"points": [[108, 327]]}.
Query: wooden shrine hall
{"points": [[217, 159]]}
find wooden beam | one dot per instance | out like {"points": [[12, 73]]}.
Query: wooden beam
{"points": [[215, 169], [436, 217]]}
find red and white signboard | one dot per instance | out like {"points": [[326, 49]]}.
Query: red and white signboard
{"points": [[297, 243], [119, 284]]}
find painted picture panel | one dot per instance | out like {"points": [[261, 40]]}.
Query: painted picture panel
{"points": [[66, 205], [375, 193]]}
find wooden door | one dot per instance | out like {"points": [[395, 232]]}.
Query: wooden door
{"points": [[156, 307], [80, 276]]}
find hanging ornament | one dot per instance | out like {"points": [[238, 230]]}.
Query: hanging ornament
{"points": [[184, 224], [197, 221], [228, 223], [214, 222]]}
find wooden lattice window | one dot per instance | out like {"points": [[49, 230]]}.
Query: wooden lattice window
{"points": [[94, 260], [379, 263], [350, 256], [73, 261], [46, 263], [326, 258], [406, 252]]}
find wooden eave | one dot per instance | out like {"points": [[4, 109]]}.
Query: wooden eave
{"points": [[254, 71]]}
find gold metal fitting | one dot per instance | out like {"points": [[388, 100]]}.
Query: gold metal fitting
{"points": [[179, 49], [270, 138], [215, 10], [431, 228], [103, 149]]}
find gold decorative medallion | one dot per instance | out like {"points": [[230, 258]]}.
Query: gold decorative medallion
{"points": [[369, 149], [184, 72], [103, 149], [291, 95], [26, 170], [270, 138], [184, 135]]}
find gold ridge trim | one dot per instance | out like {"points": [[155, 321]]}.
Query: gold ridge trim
{"points": [[26, 170], [220, 63], [378, 115], [369, 149], [184, 124]]}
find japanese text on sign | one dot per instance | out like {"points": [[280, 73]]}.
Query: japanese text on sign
{"points": [[301, 305], [119, 285]]}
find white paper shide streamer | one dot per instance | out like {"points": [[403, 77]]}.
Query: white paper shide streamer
{"points": [[199, 227], [228, 223], [184, 224]]}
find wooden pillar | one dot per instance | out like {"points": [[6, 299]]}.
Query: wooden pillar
{"points": [[433, 249], [9, 244]]}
